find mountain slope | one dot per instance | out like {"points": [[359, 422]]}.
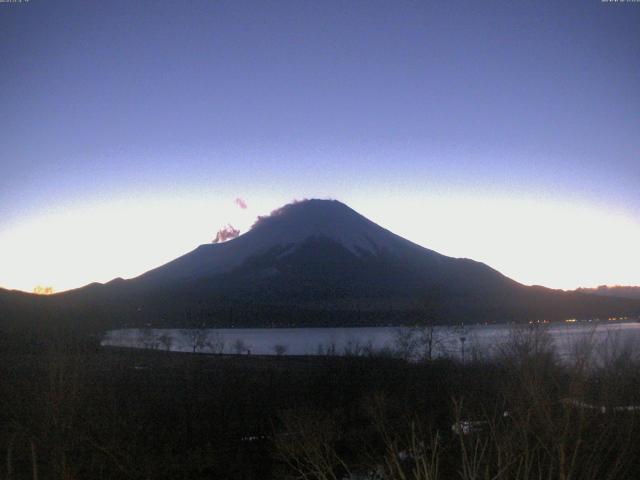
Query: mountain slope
{"points": [[300, 231], [318, 262]]}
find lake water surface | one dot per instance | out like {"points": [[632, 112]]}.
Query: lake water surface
{"points": [[469, 341]]}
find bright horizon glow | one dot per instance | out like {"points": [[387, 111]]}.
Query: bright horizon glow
{"points": [[548, 243], [505, 133]]}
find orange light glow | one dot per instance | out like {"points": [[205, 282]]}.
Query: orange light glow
{"points": [[40, 290]]}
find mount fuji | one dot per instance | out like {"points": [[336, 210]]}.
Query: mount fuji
{"points": [[320, 263]]}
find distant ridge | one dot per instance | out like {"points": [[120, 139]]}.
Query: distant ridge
{"points": [[616, 291], [315, 263]]}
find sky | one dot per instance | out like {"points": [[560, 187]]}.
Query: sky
{"points": [[506, 132]]}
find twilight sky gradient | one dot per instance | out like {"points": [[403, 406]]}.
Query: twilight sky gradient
{"points": [[507, 132]]}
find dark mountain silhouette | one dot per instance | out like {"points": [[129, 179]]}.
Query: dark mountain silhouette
{"points": [[316, 262], [616, 291]]}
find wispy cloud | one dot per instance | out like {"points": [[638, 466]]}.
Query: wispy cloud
{"points": [[226, 233], [241, 203]]}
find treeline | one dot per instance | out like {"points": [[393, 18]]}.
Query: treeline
{"points": [[121, 304]]}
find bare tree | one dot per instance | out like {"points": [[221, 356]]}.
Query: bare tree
{"points": [[409, 451], [356, 348], [280, 349], [166, 340], [307, 445], [216, 344], [528, 345], [197, 339], [239, 346], [148, 339], [406, 342], [433, 337]]}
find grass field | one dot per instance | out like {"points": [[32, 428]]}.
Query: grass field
{"points": [[74, 413]]}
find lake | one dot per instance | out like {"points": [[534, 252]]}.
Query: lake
{"points": [[604, 338]]}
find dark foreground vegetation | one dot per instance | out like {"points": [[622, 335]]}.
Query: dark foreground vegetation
{"points": [[71, 410]]}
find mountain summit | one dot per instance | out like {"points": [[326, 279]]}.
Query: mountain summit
{"points": [[329, 219], [320, 263], [285, 231]]}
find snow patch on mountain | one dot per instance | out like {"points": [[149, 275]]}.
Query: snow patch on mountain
{"points": [[287, 228]]}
